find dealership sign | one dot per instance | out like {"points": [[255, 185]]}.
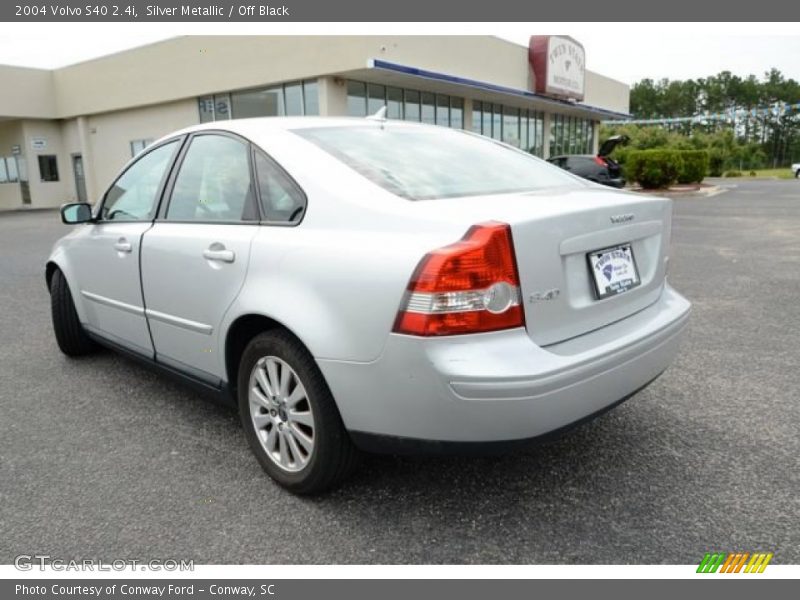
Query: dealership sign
{"points": [[559, 66]]}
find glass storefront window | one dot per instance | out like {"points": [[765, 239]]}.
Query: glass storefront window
{"points": [[456, 112], [571, 135], [8, 170], [293, 95], [292, 99], [356, 99], [252, 103], [222, 107], [522, 128], [11, 168], [428, 108], [511, 126], [555, 123], [311, 97], [477, 116], [443, 110], [497, 121], [412, 105], [538, 145], [206, 107], [587, 136], [376, 98], [524, 124], [394, 103]]}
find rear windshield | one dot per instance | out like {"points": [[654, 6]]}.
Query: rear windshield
{"points": [[425, 163]]}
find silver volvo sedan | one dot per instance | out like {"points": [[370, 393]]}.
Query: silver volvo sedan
{"points": [[371, 285]]}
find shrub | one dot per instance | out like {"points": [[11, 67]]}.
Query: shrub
{"points": [[733, 173], [654, 169], [694, 166], [753, 173], [716, 162]]}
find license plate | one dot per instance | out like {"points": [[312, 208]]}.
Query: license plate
{"points": [[613, 270]]}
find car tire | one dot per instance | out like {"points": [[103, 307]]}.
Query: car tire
{"points": [[332, 457], [797, 174], [70, 335]]}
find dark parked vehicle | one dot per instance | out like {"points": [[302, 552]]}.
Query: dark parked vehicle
{"points": [[600, 168]]}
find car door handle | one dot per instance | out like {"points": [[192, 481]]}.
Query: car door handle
{"points": [[123, 245], [219, 254]]}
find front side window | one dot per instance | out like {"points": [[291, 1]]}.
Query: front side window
{"points": [[134, 196], [281, 200], [422, 163], [213, 183]]}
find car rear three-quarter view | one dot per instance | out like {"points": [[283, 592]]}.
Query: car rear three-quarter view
{"points": [[371, 285]]}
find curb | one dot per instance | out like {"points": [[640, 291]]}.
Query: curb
{"points": [[701, 192]]}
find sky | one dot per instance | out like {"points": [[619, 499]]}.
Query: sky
{"points": [[677, 51]]}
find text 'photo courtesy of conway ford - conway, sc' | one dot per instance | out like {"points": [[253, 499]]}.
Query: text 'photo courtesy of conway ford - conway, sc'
{"points": [[368, 285]]}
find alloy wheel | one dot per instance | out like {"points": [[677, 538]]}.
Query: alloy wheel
{"points": [[281, 413]]}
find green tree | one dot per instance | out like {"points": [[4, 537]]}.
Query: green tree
{"points": [[744, 140]]}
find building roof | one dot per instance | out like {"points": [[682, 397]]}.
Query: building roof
{"points": [[193, 66]]}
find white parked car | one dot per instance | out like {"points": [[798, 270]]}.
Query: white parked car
{"points": [[796, 170], [369, 285]]}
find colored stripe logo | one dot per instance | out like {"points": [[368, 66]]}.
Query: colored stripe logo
{"points": [[738, 562]]}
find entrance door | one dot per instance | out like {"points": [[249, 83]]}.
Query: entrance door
{"points": [[80, 177]]}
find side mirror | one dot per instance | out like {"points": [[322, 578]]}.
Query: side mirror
{"points": [[76, 212]]}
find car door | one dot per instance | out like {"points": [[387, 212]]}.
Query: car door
{"points": [[195, 257], [105, 261]]}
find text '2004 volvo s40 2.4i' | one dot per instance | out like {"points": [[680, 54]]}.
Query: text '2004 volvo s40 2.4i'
{"points": [[369, 285]]}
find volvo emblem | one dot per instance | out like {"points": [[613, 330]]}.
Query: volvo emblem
{"points": [[622, 218]]}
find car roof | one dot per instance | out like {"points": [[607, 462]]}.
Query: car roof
{"points": [[259, 125]]}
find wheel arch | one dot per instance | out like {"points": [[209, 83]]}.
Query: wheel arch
{"points": [[49, 270], [60, 262], [243, 329]]}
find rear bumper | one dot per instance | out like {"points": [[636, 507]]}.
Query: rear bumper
{"points": [[618, 183], [501, 388]]}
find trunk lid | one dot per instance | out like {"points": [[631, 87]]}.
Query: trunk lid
{"points": [[553, 232], [558, 288], [608, 146]]}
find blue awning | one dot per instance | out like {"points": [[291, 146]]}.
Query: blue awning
{"points": [[491, 87]]}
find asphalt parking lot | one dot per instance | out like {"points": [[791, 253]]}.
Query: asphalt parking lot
{"points": [[100, 458]]}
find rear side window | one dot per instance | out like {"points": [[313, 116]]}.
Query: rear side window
{"points": [[420, 164], [281, 200], [213, 183]]}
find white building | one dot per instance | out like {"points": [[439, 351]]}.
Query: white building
{"points": [[65, 133]]}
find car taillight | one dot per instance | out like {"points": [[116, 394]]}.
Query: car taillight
{"points": [[471, 286], [600, 161]]}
